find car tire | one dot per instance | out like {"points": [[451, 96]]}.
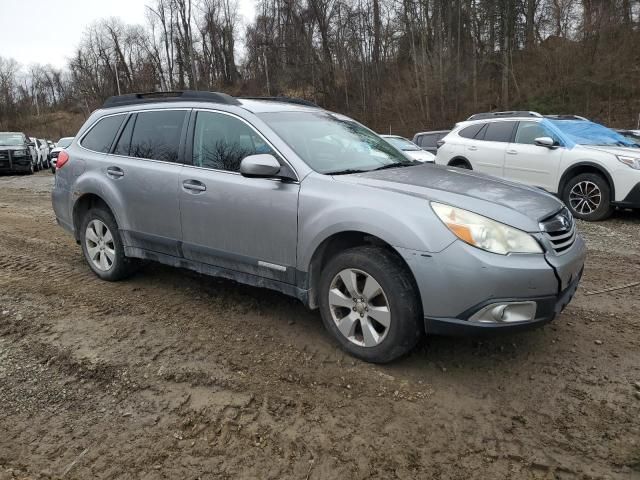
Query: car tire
{"points": [[588, 197], [53, 170], [357, 329], [102, 246]]}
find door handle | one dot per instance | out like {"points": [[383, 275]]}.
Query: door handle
{"points": [[512, 152], [473, 149], [194, 186], [115, 172]]}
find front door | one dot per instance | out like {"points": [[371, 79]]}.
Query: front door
{"points": [[532, 164], [244, 224]]}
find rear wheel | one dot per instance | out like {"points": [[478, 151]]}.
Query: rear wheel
{"points": [[102, 246], [588, 196], [369, 303]]}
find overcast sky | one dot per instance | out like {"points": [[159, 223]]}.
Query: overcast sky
{"points": [[47, 31]]}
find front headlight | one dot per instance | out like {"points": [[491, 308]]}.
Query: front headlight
{"points": [[20, 153], [484, 233], [633, 162]]}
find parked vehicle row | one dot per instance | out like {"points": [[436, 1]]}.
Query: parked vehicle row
{"points": [[410, 149], [22, 154], [387, 248]]}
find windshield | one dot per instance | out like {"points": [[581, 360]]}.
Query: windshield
{"points": [[332, 144], [402, 144], [12, 139], [589, 133], [65, 142]]}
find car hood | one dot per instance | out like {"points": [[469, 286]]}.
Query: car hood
{"points": [[420, 155], [510, 203], [634, 152]]}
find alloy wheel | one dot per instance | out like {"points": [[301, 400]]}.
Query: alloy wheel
{"points": [[585, 197], [359, 307], [100, 245]]}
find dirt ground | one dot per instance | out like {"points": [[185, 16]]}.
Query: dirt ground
{"points": [[175, 375]]}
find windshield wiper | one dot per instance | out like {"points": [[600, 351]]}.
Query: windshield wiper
{"points": [[346, 171], [396, 165]]}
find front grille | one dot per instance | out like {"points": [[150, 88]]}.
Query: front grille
{"points": [[4, 154], [560, 230]]}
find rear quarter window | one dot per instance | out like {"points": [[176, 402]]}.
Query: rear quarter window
{"points": [[101, 136], [471, 131]]}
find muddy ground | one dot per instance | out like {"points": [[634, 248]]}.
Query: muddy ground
{"points": [[175, 375]]}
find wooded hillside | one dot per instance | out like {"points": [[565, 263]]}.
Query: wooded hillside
{"points": [[404, 65]]}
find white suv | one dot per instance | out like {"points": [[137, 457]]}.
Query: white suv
{"points": [[592, 168]]}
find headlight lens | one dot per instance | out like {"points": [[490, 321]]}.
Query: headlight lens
{"points": [[633, 162], [20, 153], [484, 233]]}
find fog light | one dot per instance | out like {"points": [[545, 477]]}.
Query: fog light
{"points": [[506, 312]]}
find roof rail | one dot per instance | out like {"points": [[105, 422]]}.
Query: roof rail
{"points": [[566, 117], [296, 101], [177, 96], [512, 113]]}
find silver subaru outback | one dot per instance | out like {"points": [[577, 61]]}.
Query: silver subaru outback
{"points": [[281, 194]]}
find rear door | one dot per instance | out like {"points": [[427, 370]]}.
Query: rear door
{"points": [[243, 224], [144, 167], [529, 163], [486, 153]]}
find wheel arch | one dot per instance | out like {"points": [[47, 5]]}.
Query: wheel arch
{"points": [[338, 242], [459, 159], [83, 204], [586, 167]]}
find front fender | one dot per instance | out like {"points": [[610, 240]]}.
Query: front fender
{"points": [[323, 214]]}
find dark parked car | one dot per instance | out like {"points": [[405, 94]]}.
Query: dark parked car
{"points": [[429, 140], [17, 153]]}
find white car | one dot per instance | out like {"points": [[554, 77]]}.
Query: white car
{"points": [[63, 143], [590, 167], [410, 149], [40, 152]]}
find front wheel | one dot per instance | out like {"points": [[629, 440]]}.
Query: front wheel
{"points": [[369, 303], [588, 196], [102, 246]]}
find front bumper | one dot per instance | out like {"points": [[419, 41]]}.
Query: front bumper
{"points": [[546, 311], [632, 200], [460, 281]]}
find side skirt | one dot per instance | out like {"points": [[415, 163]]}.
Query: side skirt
{"points": [[214, 271]]}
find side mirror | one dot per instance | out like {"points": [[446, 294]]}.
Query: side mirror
{"points": [[264, 165], [545, 142]]}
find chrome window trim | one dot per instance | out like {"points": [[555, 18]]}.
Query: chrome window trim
{"points": [[252, 127], [79, 142]]}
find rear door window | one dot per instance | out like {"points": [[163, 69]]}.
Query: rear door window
{"points": [[156, 135], [499, 131], [101, 136]]}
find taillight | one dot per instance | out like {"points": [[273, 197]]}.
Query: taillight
{"points": [[63, 158]]}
